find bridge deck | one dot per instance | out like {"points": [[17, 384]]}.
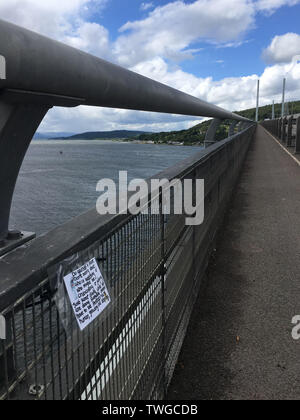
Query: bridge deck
{"points": [[239, 343]]}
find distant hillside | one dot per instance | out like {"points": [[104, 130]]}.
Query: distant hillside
{"points": [[102, 135], [192, 136], [265, 112], [196, 134], [48, 135]]}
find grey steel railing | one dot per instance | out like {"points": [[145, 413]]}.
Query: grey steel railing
{"points": [[42, 73], [154, 264], [287, 130]]}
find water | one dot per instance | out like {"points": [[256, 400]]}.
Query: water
{"points": [[58, 178]]}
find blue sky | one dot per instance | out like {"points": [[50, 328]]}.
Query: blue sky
{"points": [[213, 49], [246, 59], [237, 61]]}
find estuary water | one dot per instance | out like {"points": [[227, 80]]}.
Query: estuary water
{"points": [[58, 178]]}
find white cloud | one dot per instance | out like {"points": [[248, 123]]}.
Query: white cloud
{"points": [[96, 119], [146, 6], [63, 20], [92, 38], [282, 48], [270, 6], [58, 19], [170, 29], [234, 44], [47, 17]]}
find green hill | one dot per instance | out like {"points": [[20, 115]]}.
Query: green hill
{"points": [[103, 135], [196, 134], [265, 112]]}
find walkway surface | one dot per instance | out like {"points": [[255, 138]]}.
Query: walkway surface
{"points": [[239, 343]]}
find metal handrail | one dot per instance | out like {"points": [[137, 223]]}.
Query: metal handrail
{"points": [[42, 66], [287, 130]]}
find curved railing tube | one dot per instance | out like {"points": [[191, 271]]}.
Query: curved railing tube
{"points": [[38, 64]]}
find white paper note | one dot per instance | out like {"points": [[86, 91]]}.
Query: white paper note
{"points": [[88, 293]]}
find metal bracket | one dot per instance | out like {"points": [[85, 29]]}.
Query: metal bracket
{"points": [[240, 126], [14, 241], [18, 123], [231, 128], [210, 137]]}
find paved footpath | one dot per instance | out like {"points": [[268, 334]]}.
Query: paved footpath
{"points": [[239, 343]]}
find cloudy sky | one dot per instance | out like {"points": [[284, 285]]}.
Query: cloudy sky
{"points": [[213, 49]]}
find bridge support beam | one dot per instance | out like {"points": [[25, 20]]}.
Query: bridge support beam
{"points": [[18, 123], [297, 147], [232, 128], [240, 126], [210, 137]]}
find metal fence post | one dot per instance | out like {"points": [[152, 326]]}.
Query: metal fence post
{"points": [[210, 137], [289, 130], [278, 132], [18, 123], [274, 127], [279, 128], [283, 132], [297, 146]]}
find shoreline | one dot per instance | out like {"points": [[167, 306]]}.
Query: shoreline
{"points": [[64, 141]]}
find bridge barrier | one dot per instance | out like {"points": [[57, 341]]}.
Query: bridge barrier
{"points": [[153, 263], [287, 130]]}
